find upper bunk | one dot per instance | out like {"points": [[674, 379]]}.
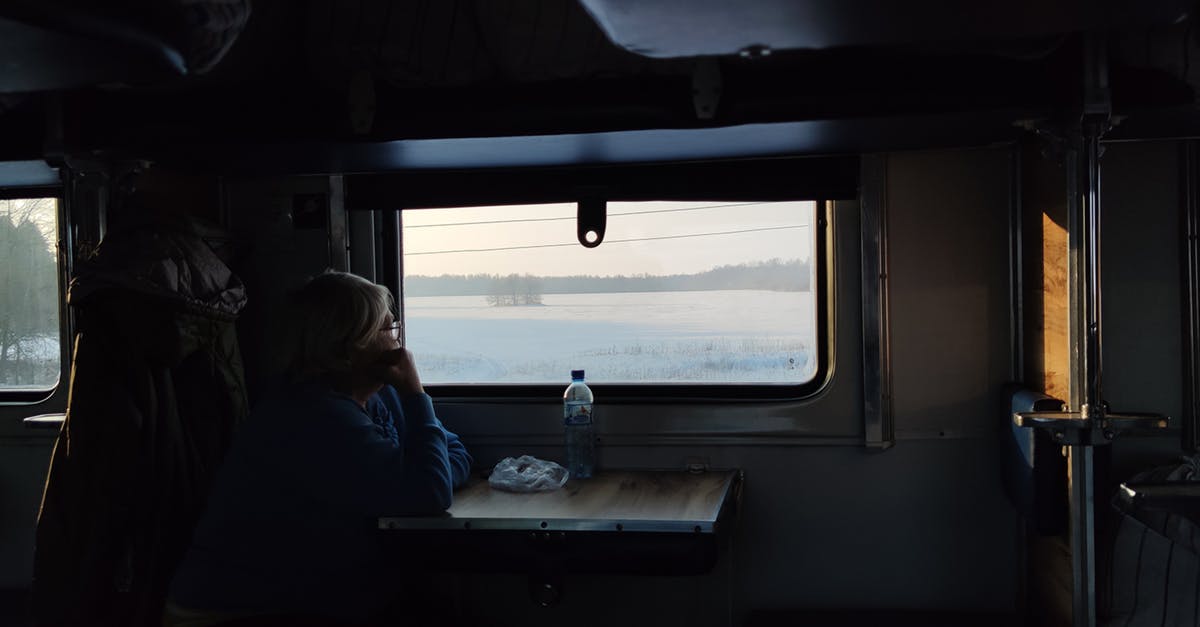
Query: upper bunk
{"points": [[331, 86]]}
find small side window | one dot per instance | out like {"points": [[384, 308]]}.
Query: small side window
{"points": [[30, 325]]}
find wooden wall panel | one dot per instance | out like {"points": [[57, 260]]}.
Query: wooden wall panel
{"points": [[1044, 266]]}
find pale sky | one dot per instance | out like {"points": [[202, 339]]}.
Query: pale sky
{"points": [[776, 230]]}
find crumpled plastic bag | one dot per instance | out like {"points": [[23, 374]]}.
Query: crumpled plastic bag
{"points": [[527, 474]]}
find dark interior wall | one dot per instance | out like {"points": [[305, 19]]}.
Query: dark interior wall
{"points": [[23, 465], [1142, 328], [950, 290], [279, 243]]}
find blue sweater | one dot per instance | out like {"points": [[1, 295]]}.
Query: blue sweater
{"points": [[290, 522]]}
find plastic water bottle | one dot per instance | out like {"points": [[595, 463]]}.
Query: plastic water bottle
{"points": [[579, 427]]}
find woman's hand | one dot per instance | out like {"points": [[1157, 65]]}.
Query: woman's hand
{"points": [[398, 370]]}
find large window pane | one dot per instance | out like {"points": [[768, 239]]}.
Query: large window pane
{"points": [[678, 292], [30, 352]]}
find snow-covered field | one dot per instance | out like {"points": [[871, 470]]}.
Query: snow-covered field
{"points": [[709, 336]]}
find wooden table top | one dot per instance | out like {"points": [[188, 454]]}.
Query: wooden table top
{"points": [[617, 500]]}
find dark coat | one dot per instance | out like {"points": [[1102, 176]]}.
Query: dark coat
{"points": [[156, 391]]}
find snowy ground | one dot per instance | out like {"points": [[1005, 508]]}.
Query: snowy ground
{"points": [[679, 337], [710, 336]]}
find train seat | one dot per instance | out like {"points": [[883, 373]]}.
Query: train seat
{"points": [[1035, 471], [1154, 572]]}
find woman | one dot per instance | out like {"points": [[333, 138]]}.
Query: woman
{"points": [[289, 524]]}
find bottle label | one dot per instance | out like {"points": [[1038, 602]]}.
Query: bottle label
{"points": [[577, 413]]}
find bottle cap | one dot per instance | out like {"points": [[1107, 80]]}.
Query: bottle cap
{"points": [[576, 374]]}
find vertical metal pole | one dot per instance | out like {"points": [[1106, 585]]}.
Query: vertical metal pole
{"points": [[339, 239], [1080, 461], [1092, 370], [1083, 545], [1087, 393], [878, 427], [66, 262], [1016, 286], [391, 273], [1190, 288], [1086, 382], [1087, 379], [398, 283]]}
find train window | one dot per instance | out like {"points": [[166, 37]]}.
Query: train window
{"points": [[678, 292], [30, 333]]}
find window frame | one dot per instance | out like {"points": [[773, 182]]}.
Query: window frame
{"points": [[35, 397], [659, 392], [827, 180]]}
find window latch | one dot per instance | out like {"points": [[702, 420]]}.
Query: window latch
{"points": [[590, 219]]}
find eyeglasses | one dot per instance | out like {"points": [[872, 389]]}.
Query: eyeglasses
{"points": [[394, 329]]}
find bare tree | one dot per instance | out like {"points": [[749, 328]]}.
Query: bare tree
{"points": [[531, 290], [515, 289], [41, 212]]}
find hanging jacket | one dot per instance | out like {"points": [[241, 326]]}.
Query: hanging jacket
{"points": [[156, 390]]}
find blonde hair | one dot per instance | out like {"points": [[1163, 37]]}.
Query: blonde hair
{"points": [[331, 315]]}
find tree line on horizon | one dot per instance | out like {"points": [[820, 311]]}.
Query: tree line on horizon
{"points": [[516, 289]]}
